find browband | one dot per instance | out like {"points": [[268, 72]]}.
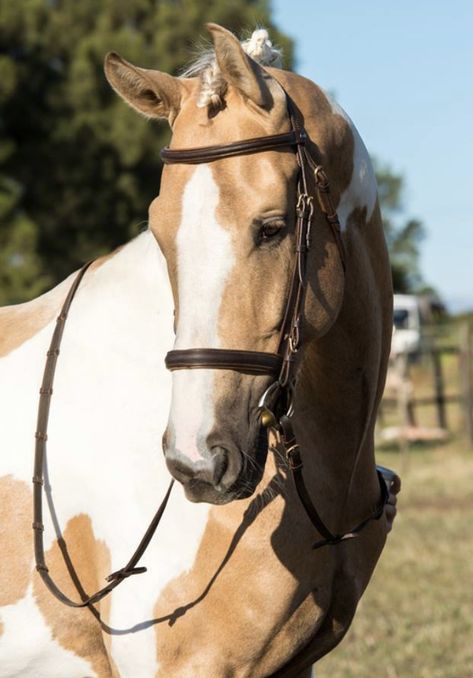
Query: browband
{"points": [[190, 156], [249, 362]]}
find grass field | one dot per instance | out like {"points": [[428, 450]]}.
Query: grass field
{"points": [[416, 618]]}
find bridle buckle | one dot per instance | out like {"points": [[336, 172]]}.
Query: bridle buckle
{"points": [[305, 206]]}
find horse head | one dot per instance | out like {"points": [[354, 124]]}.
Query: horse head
{"points": [[227, 228]]}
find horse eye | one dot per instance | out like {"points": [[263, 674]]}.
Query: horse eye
{"points": [[269, 230]]}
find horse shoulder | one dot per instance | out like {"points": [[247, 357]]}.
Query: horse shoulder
{"points": [[60, 641]]}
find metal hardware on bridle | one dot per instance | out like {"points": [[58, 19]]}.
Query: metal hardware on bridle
{"points": [[282, 363], [41, 436]]}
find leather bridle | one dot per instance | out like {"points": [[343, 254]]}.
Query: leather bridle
{"points": [[280, 366]]}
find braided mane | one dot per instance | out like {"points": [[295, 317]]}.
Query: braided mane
{"points": [[213, 86]]}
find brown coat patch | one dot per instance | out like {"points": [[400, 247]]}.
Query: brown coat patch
{"points": [[15, 540], [247, 603], [77, 630], [21, 322]]}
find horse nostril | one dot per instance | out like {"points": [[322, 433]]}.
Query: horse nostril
{"points": [[178, 467], [220, 459]]}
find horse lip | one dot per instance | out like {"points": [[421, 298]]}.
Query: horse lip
{"points": [[198, 491], [250, 475]]}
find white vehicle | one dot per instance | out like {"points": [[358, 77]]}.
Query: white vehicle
{"points": [[406, 331]]}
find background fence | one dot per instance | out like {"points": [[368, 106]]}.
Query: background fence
{"points": [[429, 394]]}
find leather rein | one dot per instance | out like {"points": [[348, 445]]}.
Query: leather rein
{"points": [[280, 365]]}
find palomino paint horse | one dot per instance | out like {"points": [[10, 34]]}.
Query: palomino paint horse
{"points": [[233, 588]]}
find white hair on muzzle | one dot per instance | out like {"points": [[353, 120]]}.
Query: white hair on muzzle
{"points": [[213, 86]]}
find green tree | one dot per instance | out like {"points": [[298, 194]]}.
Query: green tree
{"points": [[77, 168], [403, 237]]}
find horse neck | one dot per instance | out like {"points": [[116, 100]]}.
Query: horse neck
{"points": [[111, 388], [333, 428], [130, 289], [339, 386], [120, 328]]}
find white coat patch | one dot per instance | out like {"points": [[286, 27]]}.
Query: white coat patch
{"points": [[362, 190], [109, 411], [26, 638], [204, 258]]}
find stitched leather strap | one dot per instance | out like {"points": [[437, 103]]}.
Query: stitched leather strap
{"points": [[296, 466], [272, 142], [249, 362], [41, 437]]}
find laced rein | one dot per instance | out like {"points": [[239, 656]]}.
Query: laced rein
{"points": [[41, 435]]}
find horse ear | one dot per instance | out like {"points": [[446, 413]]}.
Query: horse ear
{"points": [[238, 68], [151, 93]]}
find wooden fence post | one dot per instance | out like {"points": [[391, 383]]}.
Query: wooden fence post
{"points": [[403, 396], [466, 379], [439, 388]]}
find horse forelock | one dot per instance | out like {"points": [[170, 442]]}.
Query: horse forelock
{"points": [[212, 83]]}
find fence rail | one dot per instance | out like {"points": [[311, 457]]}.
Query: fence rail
{"points": [[405, 399]]}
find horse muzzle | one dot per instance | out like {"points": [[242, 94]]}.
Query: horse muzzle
{"points": [[207, 478], [221, 472]]}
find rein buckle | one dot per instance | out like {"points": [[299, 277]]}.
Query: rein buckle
{"points": [[293, 457]]}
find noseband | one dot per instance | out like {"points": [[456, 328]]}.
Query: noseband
{"points": [[281, 365]]}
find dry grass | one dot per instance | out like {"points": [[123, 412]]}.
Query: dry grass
{"points": [[416, 619]]}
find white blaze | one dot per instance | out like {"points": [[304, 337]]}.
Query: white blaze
{"points": [[362, 190], [204, 260]]}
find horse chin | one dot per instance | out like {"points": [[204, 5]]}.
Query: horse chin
{"points": [[200, 492]]}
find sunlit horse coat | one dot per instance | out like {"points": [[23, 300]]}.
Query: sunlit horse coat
{"points": [[231, 589]]}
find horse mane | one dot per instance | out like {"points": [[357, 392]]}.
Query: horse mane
{"points": [[213, 86]]}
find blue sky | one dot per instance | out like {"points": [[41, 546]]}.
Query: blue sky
{"points": [[403, 71]]}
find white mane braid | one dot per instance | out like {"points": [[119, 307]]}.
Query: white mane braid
{"points": [[259, 47]]}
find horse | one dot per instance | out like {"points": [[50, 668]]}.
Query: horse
{"points": [[234, 586]]}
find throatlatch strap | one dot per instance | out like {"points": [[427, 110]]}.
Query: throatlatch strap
{"points": [[41, 436]]}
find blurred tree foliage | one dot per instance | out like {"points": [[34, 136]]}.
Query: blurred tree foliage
{"points": [[78, 169], [403, 237]]}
